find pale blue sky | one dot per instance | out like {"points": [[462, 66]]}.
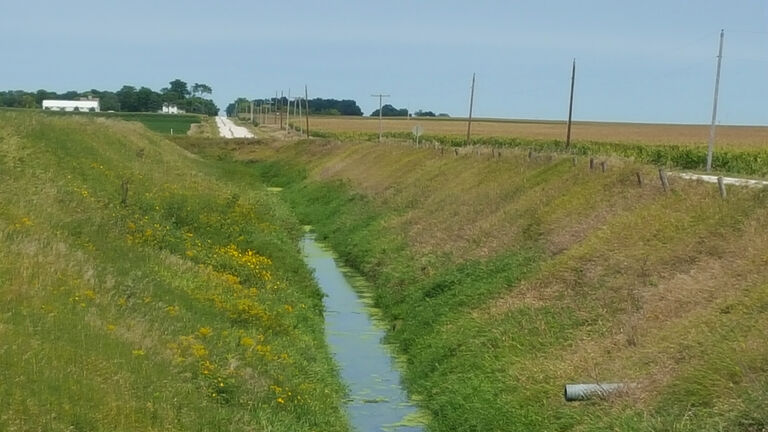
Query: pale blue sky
{"points": [[651, 60]]}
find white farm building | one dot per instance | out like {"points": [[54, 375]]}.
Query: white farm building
{"points": [[72, 105], [169, 108]]}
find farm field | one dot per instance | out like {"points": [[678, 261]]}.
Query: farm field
{"points": [[180, 124], [505, 278], [728, 137], [142, 288]]}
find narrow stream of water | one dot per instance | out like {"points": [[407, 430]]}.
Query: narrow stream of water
{"points": [[376, 402]]}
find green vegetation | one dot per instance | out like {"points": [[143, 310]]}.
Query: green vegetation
{"points": [[180, 124], [142, 288], [389, 111], [676, 156], [127, 99], [317, 106], [504, 279]]}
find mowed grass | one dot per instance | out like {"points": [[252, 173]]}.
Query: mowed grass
{"points": [[728, 137], [187, 307], [178, 124], [506, 278]]}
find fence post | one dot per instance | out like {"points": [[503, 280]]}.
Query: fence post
{"points": [[124, 192], [721, 186], [639, 179], [602, 166], [574, 161], [664, 180], [591, 163]]}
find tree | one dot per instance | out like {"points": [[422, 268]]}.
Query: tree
{"points": [[70, 95], [127, 98], [148, 100], [390, 111], [28, 101], [109, 101], [201, 89], [421, 113], [180, 88]]}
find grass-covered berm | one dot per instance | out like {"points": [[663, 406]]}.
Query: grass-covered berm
{"points": [[145, 289], [505, 278]]}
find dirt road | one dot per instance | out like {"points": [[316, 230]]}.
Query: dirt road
{"points": [[227, 129]]}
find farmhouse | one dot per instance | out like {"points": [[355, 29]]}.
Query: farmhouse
{"points": [[169, 108], [72, 105]]}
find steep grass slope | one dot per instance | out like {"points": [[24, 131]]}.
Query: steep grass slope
{"points": [[505, 278], [186, 307]]}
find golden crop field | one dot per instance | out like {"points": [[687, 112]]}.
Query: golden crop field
{"points": [[734, 137]]}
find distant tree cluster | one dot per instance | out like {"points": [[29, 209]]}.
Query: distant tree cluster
{"points": [[390, 111], [421, 113], [127, 99], [317, 106]]}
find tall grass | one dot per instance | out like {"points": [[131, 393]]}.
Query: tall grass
{"points": [[187, 307]]}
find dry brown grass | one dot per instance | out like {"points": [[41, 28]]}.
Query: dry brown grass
{"points": [[734, 137]]}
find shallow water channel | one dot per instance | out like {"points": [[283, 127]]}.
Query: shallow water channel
{"points": [[376, 402]]}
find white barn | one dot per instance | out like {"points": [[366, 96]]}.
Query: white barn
{"points": [[72, 105]]}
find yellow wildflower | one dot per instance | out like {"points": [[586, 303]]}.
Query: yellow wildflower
{"points": [[199, 350], [205, 331]]}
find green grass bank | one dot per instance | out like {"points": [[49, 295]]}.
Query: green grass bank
{"points": [[143, 288], [504, 278]]}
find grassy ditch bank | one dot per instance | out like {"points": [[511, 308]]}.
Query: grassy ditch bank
{"points": [[505, 278], [142, 288]]}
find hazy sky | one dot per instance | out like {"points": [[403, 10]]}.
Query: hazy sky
{"points": [[651, 60]]}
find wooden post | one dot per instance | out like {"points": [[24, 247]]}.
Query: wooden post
{"points": [[530, 154], [639, 179], [455, 151], [721, 186], [664, 180], [471, 102], [306, 103], [442, 151], [573, 161], [602, 166], [591, 163], [124, 192], [570, 107]]}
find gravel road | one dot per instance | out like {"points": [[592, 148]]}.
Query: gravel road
{"points": [[228, 129]]}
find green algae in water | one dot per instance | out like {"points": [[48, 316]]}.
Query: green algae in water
{"points": [[355, 333]]}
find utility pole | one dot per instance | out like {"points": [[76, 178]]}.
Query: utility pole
{"points": [[288, 113], [381, 97], [281, 110], [301, 129], [711, 145], [471, 103], [306, 102], [570, 106]]}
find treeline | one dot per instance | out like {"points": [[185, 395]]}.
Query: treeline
{"points": [[317, 106], [127, 99], [390, 111]]}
